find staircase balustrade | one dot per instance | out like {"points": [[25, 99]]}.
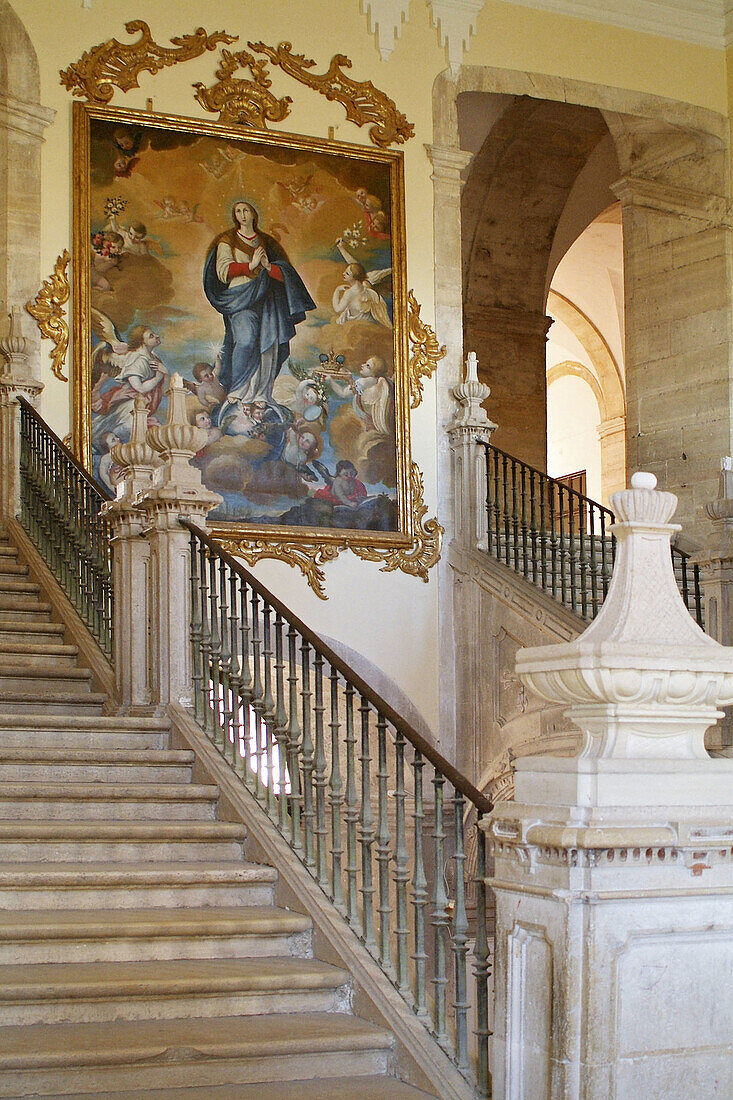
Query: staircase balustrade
{"points": [[560, 539], [60, 509], [372, 810]]}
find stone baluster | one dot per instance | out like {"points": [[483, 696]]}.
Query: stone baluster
{"points": [[15, 381], [613, 871], [176, 492], [131, 564], [469, 429]]}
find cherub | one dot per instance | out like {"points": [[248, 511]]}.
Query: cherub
{"points": [[203, 420], [367, 202], [302, 444], [207, 387], [356, 299], [237, 418], [373, 395], [133, 235], [109, 472], [342, 488], [105, 260]]}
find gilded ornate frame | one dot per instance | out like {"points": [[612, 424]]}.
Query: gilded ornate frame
{"points": [[415, 542]]}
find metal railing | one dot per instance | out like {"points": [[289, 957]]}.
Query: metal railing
{"points": [[60, 510], [373, 811], [560, 539]]}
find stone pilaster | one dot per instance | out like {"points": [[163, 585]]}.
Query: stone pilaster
{"points": [[613, 873], [511, 346], [612, 434], [15, 381], [176, 493]]}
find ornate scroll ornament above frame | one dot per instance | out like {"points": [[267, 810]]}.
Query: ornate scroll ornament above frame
{"points": [[48, 312], [116, 64], [251, 103]]}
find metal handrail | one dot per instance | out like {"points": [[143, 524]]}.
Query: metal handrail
{"points": [[287, 713], [60, 509], [560, 539]]}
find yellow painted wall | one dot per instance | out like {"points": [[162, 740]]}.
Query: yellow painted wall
{"points": [[392, 619]]}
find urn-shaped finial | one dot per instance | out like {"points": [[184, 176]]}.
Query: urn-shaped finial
{"points": [[177, 436], [643, 680], [469, 394]]}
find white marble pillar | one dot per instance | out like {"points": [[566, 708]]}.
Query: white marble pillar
{"points": [[131, 566], [613, 871], [16, 381], [469, 429], [176, 493]]}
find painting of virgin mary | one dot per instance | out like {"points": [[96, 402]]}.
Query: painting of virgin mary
{"points": [[249, 279]]}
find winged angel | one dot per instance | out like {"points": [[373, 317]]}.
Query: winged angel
{"points": [[356, 299], [122, 369]]}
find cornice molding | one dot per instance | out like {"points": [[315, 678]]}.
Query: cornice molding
{"points": [[703, 22]]}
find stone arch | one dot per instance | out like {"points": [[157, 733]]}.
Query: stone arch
{"points": [[22, 122], [673, 191]]}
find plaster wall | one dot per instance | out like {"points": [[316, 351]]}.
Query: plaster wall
{"points": [[392, 619]]}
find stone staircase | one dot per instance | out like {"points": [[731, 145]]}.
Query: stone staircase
{"points": [[141, 954]]}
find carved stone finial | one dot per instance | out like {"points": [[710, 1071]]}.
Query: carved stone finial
{"points": [[137, 458], [643, 681], [14, 346], [469, 394]]}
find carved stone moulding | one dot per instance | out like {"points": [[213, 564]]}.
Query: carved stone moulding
{"points": [[47, 309]]}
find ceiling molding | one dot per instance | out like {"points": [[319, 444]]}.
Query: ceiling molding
{"points": [[704, 22]]}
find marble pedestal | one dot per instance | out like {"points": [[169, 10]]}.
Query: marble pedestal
{"points": [[614, 942]]}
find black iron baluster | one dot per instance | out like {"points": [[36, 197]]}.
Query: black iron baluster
{"points": [[336, 796]]}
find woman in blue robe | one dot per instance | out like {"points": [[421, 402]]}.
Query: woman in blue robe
{"points": [[250, 281]]}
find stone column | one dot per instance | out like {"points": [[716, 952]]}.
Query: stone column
{"points": [[176, 493], [469, 429], [15, 381], [131, 565], [512, 343], [613, 872], [612, 434]]}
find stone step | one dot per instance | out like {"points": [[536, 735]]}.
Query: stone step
{"points": [[22, 601], [56, 702], [22, 652], [34, 632], [150, 885], [10, 568], [133, 935], [42, 678], [234, 1056], [83, 731], [163, 990], [12, 611], [124, 841], [87, 766], [54, 801], [15, 585], [320, 1088]]}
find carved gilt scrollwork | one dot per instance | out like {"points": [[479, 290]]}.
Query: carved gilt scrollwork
{"points": [[426, 352], [307, 557], [48, 312], [423, 552], [362, 102], [115, 64], [239, 101]]}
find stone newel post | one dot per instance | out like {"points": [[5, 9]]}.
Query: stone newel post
{"points": [[176, 492], [131, 564], [469, 429], [15, 381], [614, 870]]}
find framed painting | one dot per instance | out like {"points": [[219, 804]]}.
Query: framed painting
{"points": [[268, 270]]}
